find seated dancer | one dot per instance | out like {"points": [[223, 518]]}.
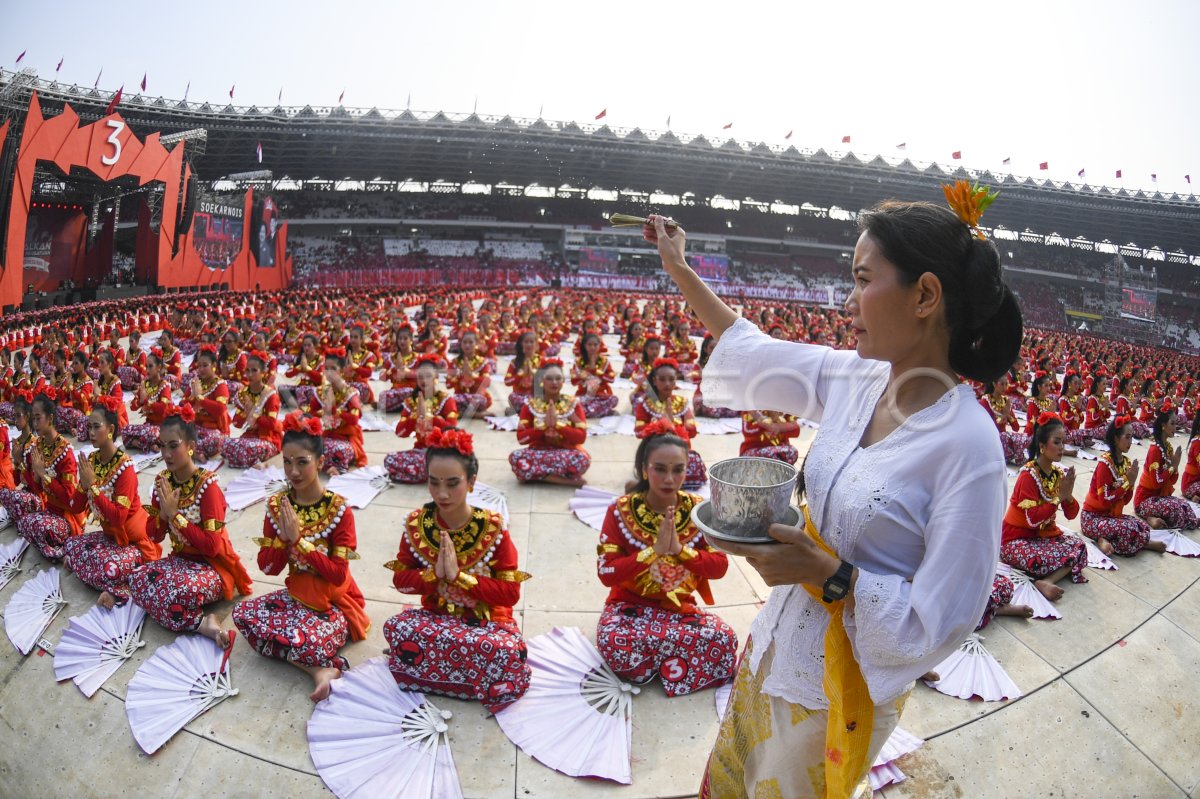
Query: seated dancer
{"points": [[427, 409], [765, 434], [1153, 500], [360, 365], [53, 466], [997, 402], [469, 376], [25, 494], [593, 378], [311, 532], [108, 491], [1040, 401], [519, 376], [75, 396], [1031, 539], [631, 346], [171, 358], [661, 402], [1112, 485], [1072, 410], [643, 366], [1190, 487], [256, 409], [652, 558], [1096, 411], [209, 397], [308, 370], [108, 385], [133, 367], [462, 641], [400, 370], [698, 406], [340, 411], [999, 604], [153, 399], [1126, 404], [231, 361], [187, 505], [553, 429]]}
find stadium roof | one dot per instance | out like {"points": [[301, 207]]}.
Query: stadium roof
{"points": [[364, 144]]}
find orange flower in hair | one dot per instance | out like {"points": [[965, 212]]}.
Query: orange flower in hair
{"points": [[546, 364], [109, 402], [1121, 421], [429, 358], [49, 392], [451, 438], [337, 352], [296, 420], [969, 201], [671, 362]]}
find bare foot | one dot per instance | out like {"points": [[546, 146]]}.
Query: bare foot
{"points": [[558, 480], [106, 600], [1156, 523], [931, 676], [1023, 611], [321, 680], [1104, 546], [1048, 590], [333, 471], [211, 628], [1156, 546]]}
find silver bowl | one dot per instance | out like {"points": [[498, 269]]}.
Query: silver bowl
{"points": [[750, 494], [702, 518]]}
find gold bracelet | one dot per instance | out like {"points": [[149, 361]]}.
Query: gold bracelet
{"points": [[647, 556], [304, 546], [466, 581], [687, 553]]}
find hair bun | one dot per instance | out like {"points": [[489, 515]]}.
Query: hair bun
{"points": [[983, 283]]}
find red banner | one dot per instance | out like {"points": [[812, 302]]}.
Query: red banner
{"points": [[54, 247]]}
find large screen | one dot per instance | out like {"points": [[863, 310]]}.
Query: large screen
{"points": [[1139, 302], [595, 259], [264, 224], [217, 231], [710, 267]]}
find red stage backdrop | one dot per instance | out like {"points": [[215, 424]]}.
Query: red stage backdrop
{"points": [[109, 149], [54, 247]]}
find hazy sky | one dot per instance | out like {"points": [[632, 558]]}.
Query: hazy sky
{"points": [[1101, 85]]}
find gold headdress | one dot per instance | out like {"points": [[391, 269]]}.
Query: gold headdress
{"points": [[969, 201]]}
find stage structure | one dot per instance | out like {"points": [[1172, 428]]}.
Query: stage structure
{"points": [[69, 187]]}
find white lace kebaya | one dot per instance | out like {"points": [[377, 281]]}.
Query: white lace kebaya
{"points": [[918, 513]]}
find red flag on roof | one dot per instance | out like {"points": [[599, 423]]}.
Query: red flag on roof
{"points": [[1154, 177], [602, 114], [340, 96], [1044, 166], [22, 55], [1006, 161], [1118, 173], [1082, 172], [1188, 178], [143, 81], [845, 140], [231, 88], [902, 145], [115, 101], [956, 155], [790, 132], [728, 126], [57, 68]]}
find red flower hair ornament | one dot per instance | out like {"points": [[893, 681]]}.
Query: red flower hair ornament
{"points": [[1048, 417], [546, 364], [296, 420], [428, 358], [337, 352], [186, 412], [451, 438], [659, 427], [109, 402], [1121, 421], [671, 362]]}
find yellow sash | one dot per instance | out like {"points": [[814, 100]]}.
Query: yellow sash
{"points": [[851, 712]]}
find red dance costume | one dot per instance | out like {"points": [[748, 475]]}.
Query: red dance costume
{"points": [[262, 440], [105, 558], [212, 416], [360, 365], [651, 625], [469, 381], [1031, 539], [1103, 508], [343, 436], [521, 381], [155, 409], [601, 402], [759, 443], [678, 414], [1155, 489], [322, 606], [462, 641], [408, 466], [202, 566], [1012, 439], [543, 456], [1190, 487], [404, 381], [51, 528]]}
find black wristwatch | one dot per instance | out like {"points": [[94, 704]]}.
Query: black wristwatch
{"points": [[837, 586]]}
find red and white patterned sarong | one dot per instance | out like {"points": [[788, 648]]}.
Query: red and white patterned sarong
{"points": [[1175, 511], [6, 412], [46, 531], [67, 420], [208, 443], [1015, 446], [688, 652], [1002, 593], [99, 562], [392, 400], [279, 626], [597, 407], [140, 437], [1041, 556], [517, 401], [173, 591], [447, 655], [538, 464], [407, 466], [300, 396], [784, 452], [130, 377], [18, 503], [365, 394], [338, 453], [1127, 534], [470, 405], [242, 453], [696, 474], [711, 411]]}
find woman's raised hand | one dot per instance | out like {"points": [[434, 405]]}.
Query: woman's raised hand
{"points": [[671, 242], [667, 540]]}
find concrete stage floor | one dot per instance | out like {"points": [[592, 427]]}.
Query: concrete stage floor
{"points": [[1111, 705]]}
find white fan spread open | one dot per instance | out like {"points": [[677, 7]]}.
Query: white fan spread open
{"points": [[95, 645], [1026, 593], [10, 559], [32, 608], [576, 716], [1177, 543], [971, 671], [360, 486], [371, 738], [181, 681], [254, 485]]}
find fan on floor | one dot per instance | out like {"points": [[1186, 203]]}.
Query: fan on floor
{"points": [[95, 645], [590, 505], [484, 496], [505, 424], [576, 716], [254, 485], [971, 671], [1096, 558], [1026, 593], [32, 608], [10, 559], [360, 487], [1177, 543], [371, 738], [884, 770], [181, 681]]}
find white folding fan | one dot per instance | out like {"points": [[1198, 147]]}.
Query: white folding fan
{"points": [[373, 422], [254, 485], [360, 486], [1026, 593], [485, 496], [884, 771], [1096, 558], [1177, 543], [371, 738], [95, 645], [145, 460], [504, 423], [32, 608], [590, 505], [177, 684], [718, 427], [10, 558], [576, 716], [622, 424], [971, 671]]}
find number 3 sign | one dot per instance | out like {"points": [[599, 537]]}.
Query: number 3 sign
{"points": [[117, 126]]}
